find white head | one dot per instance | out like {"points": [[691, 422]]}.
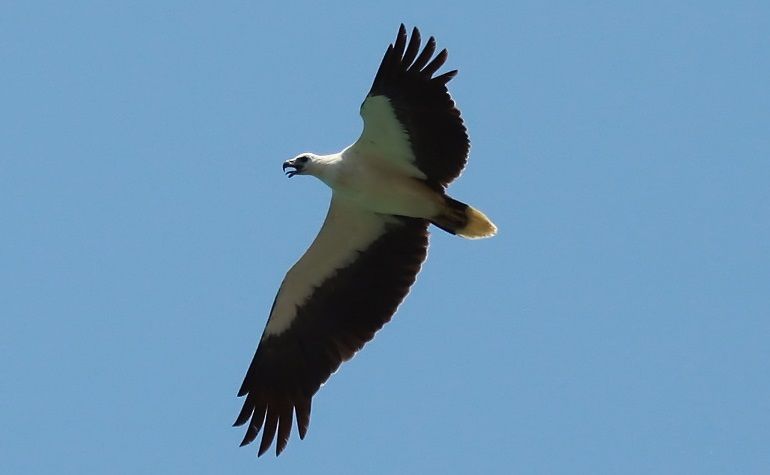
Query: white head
{"points": [[303, 164], [320, 166]]}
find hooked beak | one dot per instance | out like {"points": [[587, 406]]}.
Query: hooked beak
{"points": [[290, 164]]}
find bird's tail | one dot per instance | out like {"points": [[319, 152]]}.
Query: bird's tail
{"points": [[464, 220]]}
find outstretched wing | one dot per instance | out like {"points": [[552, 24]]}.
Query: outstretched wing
{"points": [[410, 118], [345, 287]]}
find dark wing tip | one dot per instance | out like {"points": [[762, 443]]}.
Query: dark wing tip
{"points": [[302, 410], [246, 440], [424, 57], [268, 431], [251, 434], [437, 62], [412, 49], [446, 77], [405, 57], [400, 43], [274, 418], [244, 415], [284, 427]]}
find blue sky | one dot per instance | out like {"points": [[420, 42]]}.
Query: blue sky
{"points": [[619, 323]]}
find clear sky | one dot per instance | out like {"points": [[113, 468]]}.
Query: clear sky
{"points": [[619, 323]]}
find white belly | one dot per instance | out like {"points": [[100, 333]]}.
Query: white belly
{"points": [[386, 191]]}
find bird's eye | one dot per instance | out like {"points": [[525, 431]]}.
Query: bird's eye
{"points": [[303, 159]]}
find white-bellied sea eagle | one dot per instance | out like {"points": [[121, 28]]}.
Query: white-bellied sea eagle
{"points": [[387, 188]]}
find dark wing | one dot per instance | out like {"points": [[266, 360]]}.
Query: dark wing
{"points": [[409, 115], [344, 288]]}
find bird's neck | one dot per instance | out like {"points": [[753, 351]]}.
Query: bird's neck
{"points": [[328, 168]]}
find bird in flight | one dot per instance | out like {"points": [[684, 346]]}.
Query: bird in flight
{"points": [[387, 188]]}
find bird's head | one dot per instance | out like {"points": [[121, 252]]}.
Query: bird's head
{"points": [[302, 164]]}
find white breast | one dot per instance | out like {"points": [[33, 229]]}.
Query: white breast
{"points": [[375, 185]]}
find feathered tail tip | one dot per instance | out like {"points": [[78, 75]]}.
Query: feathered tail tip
{"points": [[464, 220], [478, 226]]}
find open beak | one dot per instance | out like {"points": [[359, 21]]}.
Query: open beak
{"points": [[290, 164]]}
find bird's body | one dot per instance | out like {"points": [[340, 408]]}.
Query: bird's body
{"points": [[368, 182], [386, 189]]}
